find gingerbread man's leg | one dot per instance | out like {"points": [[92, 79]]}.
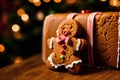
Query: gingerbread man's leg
{"points": [[50, 62], [75, 66], [76, 69]]}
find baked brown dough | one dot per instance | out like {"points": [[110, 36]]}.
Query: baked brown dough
{"points": [[105, 36], [66, 47]]}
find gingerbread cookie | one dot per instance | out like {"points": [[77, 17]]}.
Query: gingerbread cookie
{"points": [[66, 47]]}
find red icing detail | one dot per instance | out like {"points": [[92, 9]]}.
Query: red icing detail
{"points": [[87, 11], [63, 52], [63, 46]]}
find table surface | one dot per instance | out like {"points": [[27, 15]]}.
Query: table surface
{"points": [[34, 68]]}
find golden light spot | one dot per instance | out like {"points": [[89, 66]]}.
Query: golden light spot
{"points": [[115, 3], [20, 12], [34, 1], [18, 60], [25, 17], [71, 1], [15, 27], [37, 3], [2, 48], [57, 1], [103, 0], [18, 35], [46, 1], [31, 1], [40, 15]]}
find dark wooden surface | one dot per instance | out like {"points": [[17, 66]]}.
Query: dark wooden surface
{"points": [[34, 69]]}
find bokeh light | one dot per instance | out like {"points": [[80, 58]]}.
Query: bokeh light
{"points": [[103, 0], [2, 48], [115, 3], [15, 27], [31, 1], [40, 15], [18, 35], [36, 0], [18, 60], [25, 17], [20, 12], [46, 1], [70, 1], [37, 3], [57, 1]]}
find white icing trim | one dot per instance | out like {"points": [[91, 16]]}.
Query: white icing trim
{"points": [[51, 62], [58, 65], [74, 62], [78, 44], [51, 43], [118, 41]]}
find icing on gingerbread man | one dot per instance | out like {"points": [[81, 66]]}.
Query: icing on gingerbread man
{"points": [[66, 47]]}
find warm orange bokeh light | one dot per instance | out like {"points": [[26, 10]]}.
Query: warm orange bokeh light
{"points": [[34, 1], [115, 3], [71, 1], [18, 60], [18, 35], [57, 1], [37, 3], [31, 1], [103, 0], [15, 27], [25, 17], [46, 1], [40, 15], [20, 12], [2, 48]]}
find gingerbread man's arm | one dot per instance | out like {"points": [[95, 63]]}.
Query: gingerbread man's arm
{"points": [[78, 44], [83, 44], [50, 42]]}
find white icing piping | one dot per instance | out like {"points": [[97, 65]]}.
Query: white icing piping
{"points": [[58, 65], [74, 62], [51, 42], [51, 62], [78, 44], [118, 41]]}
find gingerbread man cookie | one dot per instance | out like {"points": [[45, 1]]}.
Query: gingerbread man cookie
{"points": [[66, 47]]}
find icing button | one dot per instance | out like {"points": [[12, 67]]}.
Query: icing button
{"points": [[63, 52], [63, 46], [62, 57]]}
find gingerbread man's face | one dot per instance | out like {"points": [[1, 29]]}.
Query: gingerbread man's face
{"points": [[68, 28]]}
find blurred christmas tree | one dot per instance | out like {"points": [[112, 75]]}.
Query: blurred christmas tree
{"points": [[21, 23]]}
